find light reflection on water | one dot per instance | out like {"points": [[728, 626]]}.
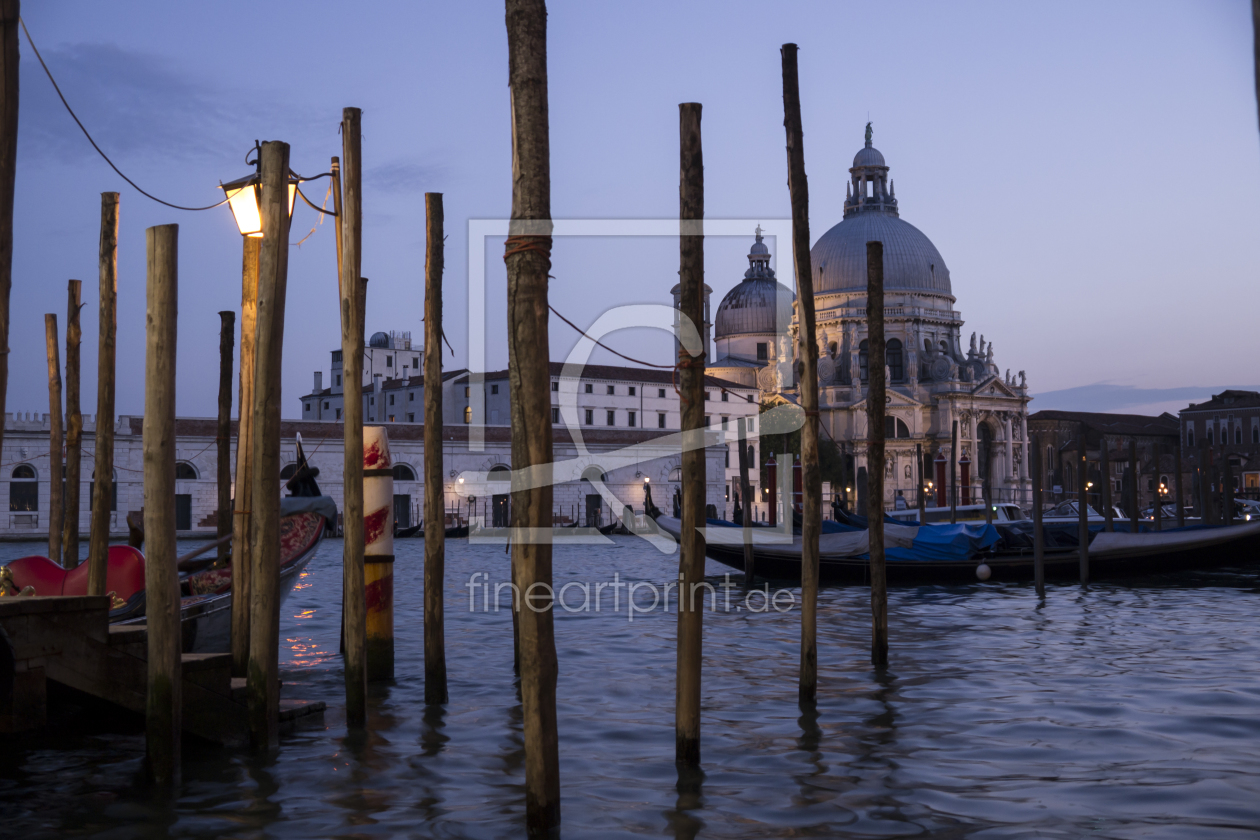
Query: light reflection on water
{"points": [[1117, 711]]}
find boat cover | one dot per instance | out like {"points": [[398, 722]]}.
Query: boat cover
{"points": [[906, 543]]}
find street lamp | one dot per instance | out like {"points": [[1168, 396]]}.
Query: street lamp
{"points": [[244, 197]]}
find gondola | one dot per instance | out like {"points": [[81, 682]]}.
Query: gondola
{"points": [[205, 586], [414, 530], [955, 553]]}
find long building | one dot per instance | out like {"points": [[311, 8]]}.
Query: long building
{"points": [[607, 469]]}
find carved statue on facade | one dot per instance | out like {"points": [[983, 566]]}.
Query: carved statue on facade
{"points": [[972, 352], [868, 134], [1023, 383], [953, 371], [890, 465], [989, 358], [964, 425]]}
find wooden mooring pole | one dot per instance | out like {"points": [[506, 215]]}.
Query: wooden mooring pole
{"points": [[223, 436], [745, 491], [811, 507], [10, 11], [875, 452], [353, 300], [242, 509], [161, 577], [1104, 468], [1039, 536], [691, 378], [1134, 512], [1082, 507], [103, 475], [953, 471], [74, 427], [56, 487], [435, 691], [1177, 466], [264, 607], [527, 254]]}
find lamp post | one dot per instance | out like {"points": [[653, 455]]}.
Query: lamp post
{"points": [[245, 201]]}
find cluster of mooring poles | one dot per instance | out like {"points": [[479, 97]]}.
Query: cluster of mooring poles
{"points": [[66, 441], [1130, 501]]}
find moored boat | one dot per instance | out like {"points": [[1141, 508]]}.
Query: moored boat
{"points": [[955, 553]]}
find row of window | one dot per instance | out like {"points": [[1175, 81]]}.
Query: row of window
{"points": [[1224, 433], [24, 490]]}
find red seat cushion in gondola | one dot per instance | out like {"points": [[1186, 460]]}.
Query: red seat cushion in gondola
{"points": [[47, 577], [124, 573]]}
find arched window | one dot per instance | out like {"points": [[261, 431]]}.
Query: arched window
{"points": [[927, 345], [895, 427], [185, 471], [1255, 434], [863, 359], [24, 489], [896, 366], [945, 347], [402, 472], [113, 491], [1238, 434], [1209, 435], [675, 474], [593, 474], [288, 472]]}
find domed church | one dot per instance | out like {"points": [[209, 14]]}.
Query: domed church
{"points": [[933, 378]]}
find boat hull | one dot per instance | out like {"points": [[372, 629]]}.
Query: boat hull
{"points": [[1111, 556]]}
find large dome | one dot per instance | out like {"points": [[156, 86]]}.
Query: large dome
{"points": [[759, 304], [911, 261]]}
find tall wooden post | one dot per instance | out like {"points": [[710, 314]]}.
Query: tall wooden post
{"points": [[1157, 511], [527, 254], [353, 299], [1039, 536], [1082, 507], [103, 477], [918, 465], [691, 377], [1181, 509], [1227, 488], [161, 577], [378, 553], [1104, 467], [435, 691], [745, 491], [74, 428], [1206, 508], [264, 621], [811, 513], [953, 472], [56, 486], [242, 508], [1134, 511], [875, 456], [223, 437], [10, 11]]}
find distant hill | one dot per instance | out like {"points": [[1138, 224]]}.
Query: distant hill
{"points": [[1128, 399]]}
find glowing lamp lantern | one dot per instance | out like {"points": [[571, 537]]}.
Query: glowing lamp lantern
{"points": [[244, 197]]}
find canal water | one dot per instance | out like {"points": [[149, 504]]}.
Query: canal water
{"points": [[1118, 711]]}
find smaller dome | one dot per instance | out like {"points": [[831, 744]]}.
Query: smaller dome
{"points": [[379, 339], [868, 156]]}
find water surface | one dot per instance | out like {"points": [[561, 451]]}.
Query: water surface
{"points": [[1119, 710]]}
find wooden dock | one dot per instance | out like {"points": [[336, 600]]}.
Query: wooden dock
{"points": [[69, 640]]}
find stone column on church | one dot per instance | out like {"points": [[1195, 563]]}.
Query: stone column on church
{"points": [[1009, 471], [1023, 436]]}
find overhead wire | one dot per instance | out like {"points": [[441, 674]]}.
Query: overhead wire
{"points": [[86, 134]]}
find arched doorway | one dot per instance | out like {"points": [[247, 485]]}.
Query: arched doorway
{"points": [[500, 480]]}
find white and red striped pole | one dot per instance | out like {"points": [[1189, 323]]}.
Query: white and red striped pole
{"points": [[378, 551]]}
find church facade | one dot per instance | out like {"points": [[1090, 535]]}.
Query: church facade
{"points": [[934, 377]]}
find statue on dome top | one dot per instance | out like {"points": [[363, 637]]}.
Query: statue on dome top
{"points": [[868, 134]]}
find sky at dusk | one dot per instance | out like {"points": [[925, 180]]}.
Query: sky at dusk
{"points": [[1089, 171]]}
